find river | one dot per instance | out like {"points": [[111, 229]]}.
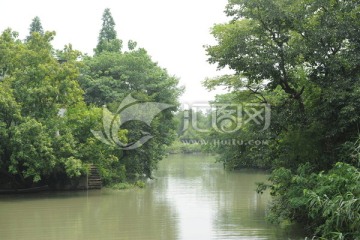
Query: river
{"points": [[191, 198]]}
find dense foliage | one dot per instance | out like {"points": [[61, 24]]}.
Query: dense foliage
{"points": [[111, 75], [51, 101], [36, 144], [302, 58]]}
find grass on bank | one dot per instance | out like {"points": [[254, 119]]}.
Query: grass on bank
{"points": [[126, 185]]}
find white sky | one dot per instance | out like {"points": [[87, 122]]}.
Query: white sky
{"points": [[172, 31]]}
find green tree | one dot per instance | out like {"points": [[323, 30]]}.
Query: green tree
{"points": [[108, 40], [41, 83], [32, 154], [37, 145], [35, 26], [45, 125], [132, 45], [9, 47], [299, 52], [109, 77], [302, 58]]}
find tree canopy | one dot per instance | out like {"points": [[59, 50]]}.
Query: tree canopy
{"points": [[35, 26], [51, 103], [108, 40], [35, 87], [109, 77], [302, 58]]}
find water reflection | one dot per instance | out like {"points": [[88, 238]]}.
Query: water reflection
{"points": [[216, 204], [191, 198], [94, 215]]}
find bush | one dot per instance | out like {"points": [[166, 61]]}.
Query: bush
{"points": [[334, 203], [127, 185], [327, 203]]}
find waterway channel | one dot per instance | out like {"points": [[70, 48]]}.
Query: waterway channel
{"points": [[191, 198]]}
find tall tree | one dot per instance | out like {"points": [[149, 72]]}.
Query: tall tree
{"points": [[35, 26], [108, 40], [308, 57], [109, 77]]}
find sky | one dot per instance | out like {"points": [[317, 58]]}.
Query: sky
{"points": [[172, 31]]}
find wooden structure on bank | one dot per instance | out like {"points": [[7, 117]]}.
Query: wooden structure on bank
{"points": [[94, 179]]}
